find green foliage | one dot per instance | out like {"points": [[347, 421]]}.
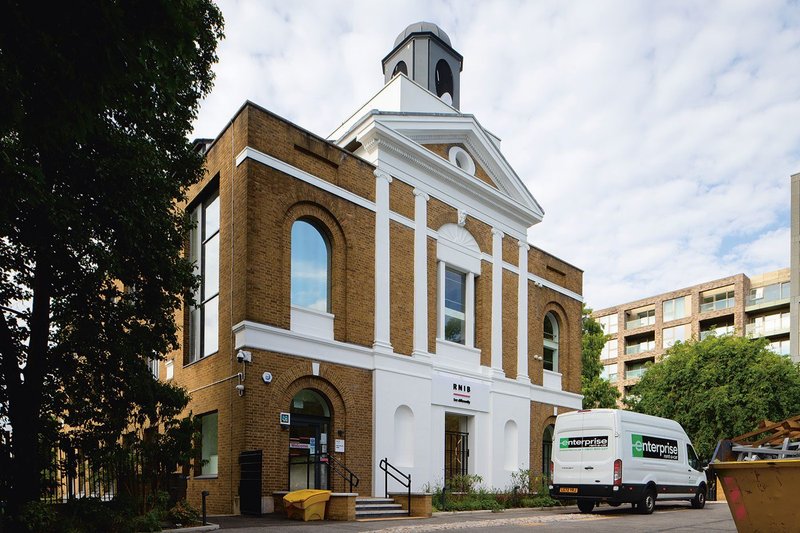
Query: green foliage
{"points": [[98, 100], [526, 490], [38, 517], [184, 514], [149, 521], [592, 341], [718, 388], [465, 483], [597, 392], [523, 480]]}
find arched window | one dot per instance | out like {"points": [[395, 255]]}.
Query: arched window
{"points": [[400, 67], [444, 81], [547, 449], [310, 267], [550, 342]]}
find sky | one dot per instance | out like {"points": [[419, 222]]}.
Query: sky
{"points": [[658, 136]]}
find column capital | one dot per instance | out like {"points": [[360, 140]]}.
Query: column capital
{"points": [[498, 233], [423, 194], [382, 174], [524, 245]]}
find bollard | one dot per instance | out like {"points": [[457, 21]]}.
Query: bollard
{"points": [[444, 505], [205, 494]]}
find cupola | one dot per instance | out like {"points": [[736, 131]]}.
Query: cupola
{"points": [[423, 53]]}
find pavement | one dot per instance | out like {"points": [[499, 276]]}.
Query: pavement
{"points": [[672, 517]]}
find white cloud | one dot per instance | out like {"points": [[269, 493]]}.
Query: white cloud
{"points": [[654, 134]]}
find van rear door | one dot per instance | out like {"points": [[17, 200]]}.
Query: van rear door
{"points": [[584, 448], [598, 448]]}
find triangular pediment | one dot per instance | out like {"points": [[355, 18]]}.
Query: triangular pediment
{"points": [[417, 125]]}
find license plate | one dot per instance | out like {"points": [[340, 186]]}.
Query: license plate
{"points": [[568, 490]]}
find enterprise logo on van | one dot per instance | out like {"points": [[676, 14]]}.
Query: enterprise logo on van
{"points": [[654, 448], [574, 443]]}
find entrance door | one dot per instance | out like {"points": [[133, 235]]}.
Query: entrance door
{"points": [[308, 441], [456, 447]]}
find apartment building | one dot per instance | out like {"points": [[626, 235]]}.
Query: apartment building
{"points": [[640, 331], [372, 296]]}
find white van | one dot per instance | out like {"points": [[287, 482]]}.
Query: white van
{"points": [[615, 456]]}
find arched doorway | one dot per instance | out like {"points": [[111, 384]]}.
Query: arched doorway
{"points": [[547, 450], [308, 440]]}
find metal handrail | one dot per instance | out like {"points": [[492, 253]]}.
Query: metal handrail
{"points": [[339, 468], [334, 465], [405, 481]]}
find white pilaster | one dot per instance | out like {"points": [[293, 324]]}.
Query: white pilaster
{"points": [[440, 299], [497, 302], [382, 341], [420, 274], [470, 311], [522, 315]]}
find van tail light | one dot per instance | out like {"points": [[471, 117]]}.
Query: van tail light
{"points": [[618, 472], [552, 470]]}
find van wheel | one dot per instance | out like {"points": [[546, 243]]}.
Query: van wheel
{"points": [[699, 501], [585, 506], [648, 503]]}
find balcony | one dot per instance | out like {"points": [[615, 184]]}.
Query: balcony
{"points": [[640, 322], [717, 305], [774, 295], [767, 330], [635, 373], [646, 346], [718, 332]]}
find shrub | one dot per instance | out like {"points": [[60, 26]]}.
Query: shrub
{"points": [[184, 514], [465, 483], [38, 517]]}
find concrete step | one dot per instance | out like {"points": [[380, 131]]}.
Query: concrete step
{"points": [[369, 508]]}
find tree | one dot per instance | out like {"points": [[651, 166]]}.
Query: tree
{"points": [[719, 387], [98, 99], [597, 392]]}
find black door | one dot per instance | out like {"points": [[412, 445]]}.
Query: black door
{"points": [[250, 482]]}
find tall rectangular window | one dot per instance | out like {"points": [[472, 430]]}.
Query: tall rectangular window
{"points": [[609, 350], [455, 296], [609, 373], [204, 247], [609, 324], [676, 308], [672, 335], [208, 444]]}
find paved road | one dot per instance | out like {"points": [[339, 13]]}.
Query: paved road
{"points": [[667, 518]]}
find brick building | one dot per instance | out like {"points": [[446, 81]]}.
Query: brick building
{"points": [[373, 296], [640, 331]]}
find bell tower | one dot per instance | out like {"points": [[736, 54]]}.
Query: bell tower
{"points": [[423, 53]]}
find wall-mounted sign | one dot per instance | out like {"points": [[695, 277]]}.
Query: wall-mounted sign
{"points": [[285, 419], [452, 390], [339, 445]]}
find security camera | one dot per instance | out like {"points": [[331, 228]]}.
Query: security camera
{"points": [[243, 356], [240, 387]]}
